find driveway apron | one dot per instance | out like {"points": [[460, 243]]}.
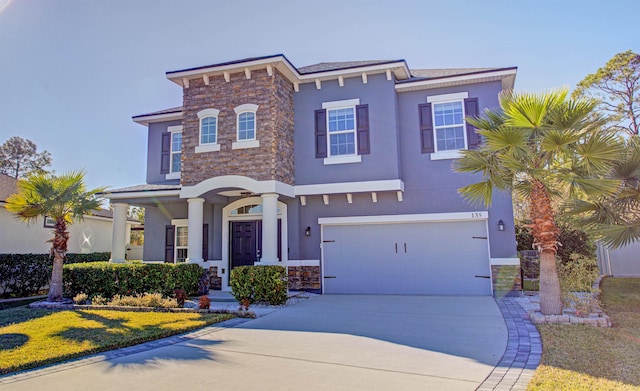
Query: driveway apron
{"points": [[329, 342]]}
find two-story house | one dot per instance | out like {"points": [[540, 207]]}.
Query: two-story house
{"points": [[340, 171]]}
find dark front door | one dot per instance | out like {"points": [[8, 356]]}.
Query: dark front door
{"points": [[244, 243]]}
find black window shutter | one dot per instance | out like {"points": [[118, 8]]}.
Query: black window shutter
{"points": [[426, 128], [362, 116], [321, 133], [165, 153], [169, 239], [205, 241], [471, 110]]}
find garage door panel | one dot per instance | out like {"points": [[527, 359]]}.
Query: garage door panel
{"points": [[414, 258]]}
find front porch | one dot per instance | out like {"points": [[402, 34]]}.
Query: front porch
{"points": [[219, 224]]}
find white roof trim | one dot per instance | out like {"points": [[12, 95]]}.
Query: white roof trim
{"points": [[410, 218], [147, 119], [350, 187], [441, 81], [399, 68], [142, 194]]}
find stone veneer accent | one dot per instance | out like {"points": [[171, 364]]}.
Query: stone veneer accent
{"points": [[272, 160], [506, 280], [303, 277]]}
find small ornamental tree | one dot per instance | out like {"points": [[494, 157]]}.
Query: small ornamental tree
{"points": [[63, 198]]}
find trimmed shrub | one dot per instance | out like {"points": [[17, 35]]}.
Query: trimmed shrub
{"points": [[252, 284], [26, 274], [110, 279], [23, 274], [153, 300], [81, 298]]}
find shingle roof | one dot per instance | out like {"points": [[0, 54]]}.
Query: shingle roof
{"points": [[332, 66], [171, 110], [8, 186]]}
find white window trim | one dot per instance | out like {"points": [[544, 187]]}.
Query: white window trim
{"points": [[173, 174], [207, 147], [340, 103], [211, 147], [245, 144], [342, 159], [179, 223], [448, 98], [246, 108]]}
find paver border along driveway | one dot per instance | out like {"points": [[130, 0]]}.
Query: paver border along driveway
{"points": [[329, 342]]}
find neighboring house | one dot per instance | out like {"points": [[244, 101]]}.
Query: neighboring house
{"points": [[340, 171], [93, 234]]}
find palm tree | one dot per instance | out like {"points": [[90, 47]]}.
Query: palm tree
{"points": [[542, 146], [63, 198]]}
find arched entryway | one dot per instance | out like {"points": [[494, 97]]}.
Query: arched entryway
{"points": [[242, 225]]}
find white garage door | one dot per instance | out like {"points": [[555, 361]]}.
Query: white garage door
{"points": [[439, 258]]}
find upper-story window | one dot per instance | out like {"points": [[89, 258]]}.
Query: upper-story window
{"points": [[448, 119], [344, 127], [443, 129], [342, 131], [246, 127], [208, 131], [171, 152], [176, 151]]}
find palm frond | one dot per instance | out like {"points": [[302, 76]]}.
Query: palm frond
{"points": [[616, 236], [599, 152], [529, 110], [478, 193]]}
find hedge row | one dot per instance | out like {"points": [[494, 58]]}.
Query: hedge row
{"points": [[110, 279], [25, 274], [251, 284]]}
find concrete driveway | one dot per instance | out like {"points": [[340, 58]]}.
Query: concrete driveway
{"points": [[329, 342]]}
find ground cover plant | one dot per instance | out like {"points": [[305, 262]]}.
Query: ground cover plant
{"points": [[34, 337], [582, 357]]}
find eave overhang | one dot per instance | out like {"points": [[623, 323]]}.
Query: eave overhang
{"points": [[506, 75]]}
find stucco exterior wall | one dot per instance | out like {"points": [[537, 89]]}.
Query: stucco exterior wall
{"points": [[382, 163], [154, 151]]}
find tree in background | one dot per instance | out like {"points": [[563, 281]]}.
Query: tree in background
{"points": [[63, 198], [541, 146], [617, 87], [18, 158]]}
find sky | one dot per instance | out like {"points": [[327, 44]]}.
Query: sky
{"points": [[74, 72]]}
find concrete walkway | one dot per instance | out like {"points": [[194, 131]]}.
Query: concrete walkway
{"points": [[326, 342]]}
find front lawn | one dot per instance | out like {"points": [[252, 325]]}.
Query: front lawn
{"points": [[34, 337], [582, 357]]}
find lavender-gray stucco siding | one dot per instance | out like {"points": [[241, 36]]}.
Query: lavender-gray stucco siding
{"points": [[382, 163], [154, 151]]}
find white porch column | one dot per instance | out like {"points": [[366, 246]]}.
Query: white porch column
{"points": [[119, 233], [269, 228], [194, 251]]}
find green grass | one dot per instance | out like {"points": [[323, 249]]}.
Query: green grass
{"points": [[18, 303], [582, 357], [33, 337]]}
